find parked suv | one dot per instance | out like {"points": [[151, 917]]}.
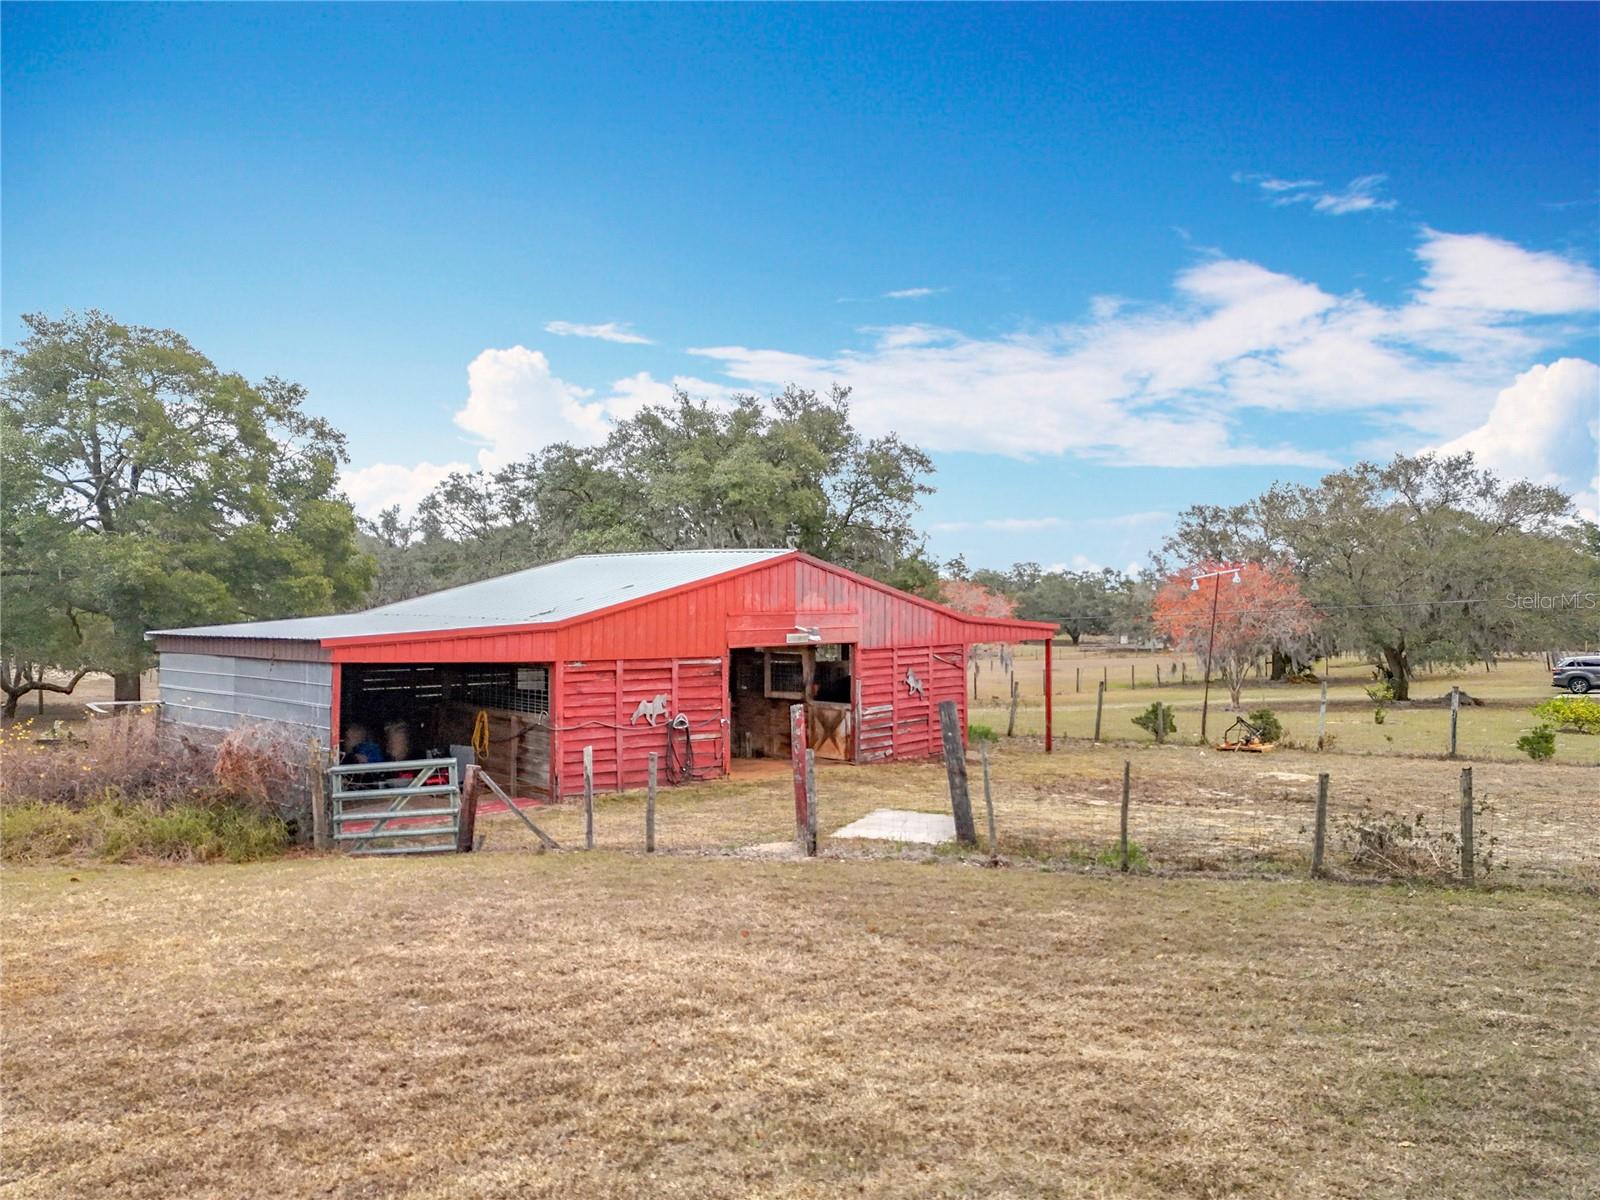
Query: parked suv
{"points": [[1577, 675]]}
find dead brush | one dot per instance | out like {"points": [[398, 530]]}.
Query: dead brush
{"points": [[1405, 845], [127, 758]]}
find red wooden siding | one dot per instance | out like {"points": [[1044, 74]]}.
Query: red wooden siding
{"points": [[596, 704], [702, 620], [894, 721]]}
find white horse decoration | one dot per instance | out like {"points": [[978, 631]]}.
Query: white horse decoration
{"points": [[915, 686], [650, 709]]}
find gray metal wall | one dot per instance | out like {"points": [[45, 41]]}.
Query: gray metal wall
{"points": [[215, 691]]}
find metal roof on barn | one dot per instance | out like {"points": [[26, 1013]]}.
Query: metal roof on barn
{"points": [[554, 592]]}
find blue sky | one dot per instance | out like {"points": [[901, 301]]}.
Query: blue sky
{"points": [[1104, 262]]}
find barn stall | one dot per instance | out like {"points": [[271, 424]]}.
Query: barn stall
{"points": [[695, 656]]}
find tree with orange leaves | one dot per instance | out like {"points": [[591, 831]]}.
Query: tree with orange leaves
{"points": [[1263, 612], [975, 599]]}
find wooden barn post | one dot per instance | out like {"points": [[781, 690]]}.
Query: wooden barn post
{"points": [[811, 803], [955, 766], [588, 797], [797, 762], [1049, 699], [650, 809]]}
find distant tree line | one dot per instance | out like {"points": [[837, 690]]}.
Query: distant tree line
{"points": [[145, 487], [789, 470]]}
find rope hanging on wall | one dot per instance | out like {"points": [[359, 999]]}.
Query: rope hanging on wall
{"points": [[680, 752]]}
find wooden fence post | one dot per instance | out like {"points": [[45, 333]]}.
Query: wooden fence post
{"points": [[1322, 718], [1133, 680], [1319, 835], [988, 804], [1099, 706], [1183, 668], [1158, 674], [1468, 866], [319, 799], [974, 676], [955, 767], [797, 767], [1077, 679], [1127, 788], [1011, 720], [467, 816], [1455, 715], [650, 809], [588, 797], [811, 803]]}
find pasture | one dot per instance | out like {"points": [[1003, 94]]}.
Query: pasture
{"points": [[1509, 690], [508, 1024]]}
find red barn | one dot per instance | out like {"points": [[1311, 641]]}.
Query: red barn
{"points": [[694, 655]]}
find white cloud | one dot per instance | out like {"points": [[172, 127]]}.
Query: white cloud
{"points": [[611, 331], [375, 488], [1217, 375], [1544, 427], [516, 405], [914, 293], [1359, 195], [1029, 524], [1483, 273]]}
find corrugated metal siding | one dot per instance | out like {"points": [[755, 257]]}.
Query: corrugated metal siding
{"points": [[597, 701], [235, 647], [214, 691], [895, 722]]}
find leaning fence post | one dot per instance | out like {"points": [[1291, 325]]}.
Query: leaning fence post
{"points": [[1320, 835], [1467, 865], [1322, 718], [650, 809], [955, 766], [988, 803], [588, 797], [811, 803], [319, 801], [1099, 706], [1455, 716], [1127, 780]]}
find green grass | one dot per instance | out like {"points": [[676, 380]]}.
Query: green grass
{"points": [[115, 832]]}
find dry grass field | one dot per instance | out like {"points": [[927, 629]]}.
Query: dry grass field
{"points": [[508, 1024], [1192, 809]]}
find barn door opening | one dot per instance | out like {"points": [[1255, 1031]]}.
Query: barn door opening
{"points": [[765, 681], [422, 710]]}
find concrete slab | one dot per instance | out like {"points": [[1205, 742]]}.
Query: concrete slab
{"points": [[899, 825]]}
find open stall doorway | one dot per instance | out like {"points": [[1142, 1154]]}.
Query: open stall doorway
{"points": [[765, 681]]}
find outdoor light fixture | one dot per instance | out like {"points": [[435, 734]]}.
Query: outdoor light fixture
{"points": [[1211, 639]]}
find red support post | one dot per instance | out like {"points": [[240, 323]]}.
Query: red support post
{"points": [[1049, 700]]}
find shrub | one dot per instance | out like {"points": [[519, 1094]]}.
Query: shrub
{"points": [[1570, 714], [1159, 719], [118, 832], [1381, 695], [127, 788], [1265, 720], [1539, 743], [981, 733]]}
